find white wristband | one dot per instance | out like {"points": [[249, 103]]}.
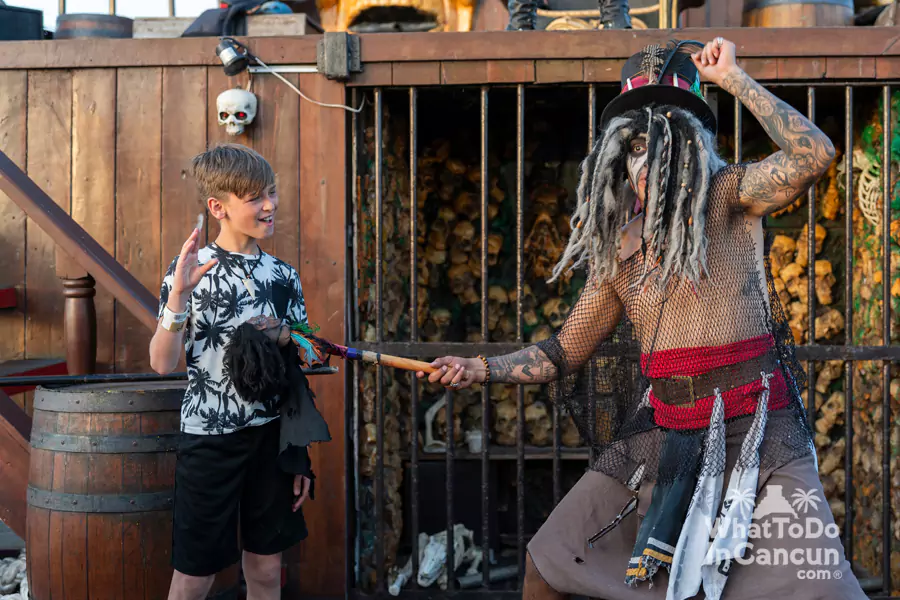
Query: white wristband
{"points": [[173, 321]]}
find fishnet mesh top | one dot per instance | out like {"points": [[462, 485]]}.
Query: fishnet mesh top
{"points": [[606, 356]]}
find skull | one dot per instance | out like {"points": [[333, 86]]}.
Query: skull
{"points": [[555, 310], [436, 327], [824, 281], [464, 205], [421, 305], [460, 279], [540, 334], [803, 243], [829, 324], [494, 245], [236, 109], [443, 224], [464, 236], [538, 424], [458, 256], [435, 256], [505, 420], [497, 302], [799, 312], [782, 253], [543, 246], [529, 316], [794, 281], [506, 329], [781, 290], [570, 436], [470, 296], [531, 392], [456, 166], [546, 199]]}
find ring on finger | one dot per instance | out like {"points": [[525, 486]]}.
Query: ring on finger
{"points": [[720, 41], [454, 384]]}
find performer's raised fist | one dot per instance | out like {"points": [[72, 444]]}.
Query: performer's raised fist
{"points": [[716, 60]]}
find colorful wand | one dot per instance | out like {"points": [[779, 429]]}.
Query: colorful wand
{"points": [[315, 350]]}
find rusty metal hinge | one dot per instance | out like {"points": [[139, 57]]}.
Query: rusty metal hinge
{"points": [[338, 55]]}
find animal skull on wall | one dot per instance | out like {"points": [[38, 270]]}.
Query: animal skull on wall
{"points": [[236, 108]]}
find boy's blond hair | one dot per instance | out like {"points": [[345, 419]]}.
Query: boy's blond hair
{"points": [[231, 168]]}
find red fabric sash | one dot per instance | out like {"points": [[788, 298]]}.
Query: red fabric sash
{"points": [[696, 361]]}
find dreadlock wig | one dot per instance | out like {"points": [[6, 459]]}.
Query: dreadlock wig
{"points": [[681, 161]]}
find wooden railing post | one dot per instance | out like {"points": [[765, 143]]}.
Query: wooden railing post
{"points": [[80, 317]]}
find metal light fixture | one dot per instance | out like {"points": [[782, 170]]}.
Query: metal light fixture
{"points": [[234, 55]]}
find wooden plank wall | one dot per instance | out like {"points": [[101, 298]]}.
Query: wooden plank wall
{"points": [[113, 147]]}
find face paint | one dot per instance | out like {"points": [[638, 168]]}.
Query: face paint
{"points": [[635, 163]]}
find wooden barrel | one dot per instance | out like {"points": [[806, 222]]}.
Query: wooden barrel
{"points": [[798, 13], [75, 25], [100, 492]]}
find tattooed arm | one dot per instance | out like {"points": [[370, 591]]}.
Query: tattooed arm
{"points": [[805, 154], [593, 318]]}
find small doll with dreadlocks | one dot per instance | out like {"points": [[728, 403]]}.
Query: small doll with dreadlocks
{"points": [[677, 362]]}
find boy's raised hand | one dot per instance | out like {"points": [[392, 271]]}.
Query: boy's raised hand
{"points": [[188, 271]]}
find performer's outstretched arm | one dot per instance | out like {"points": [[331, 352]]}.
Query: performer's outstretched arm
{"points": [[595, 315], [806, 152]]}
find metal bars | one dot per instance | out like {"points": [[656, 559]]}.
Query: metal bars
{"points": [[379, 337], [848, 321], [414, 318], [485, 394], [886, 450], [811, 273], [520, 290]]}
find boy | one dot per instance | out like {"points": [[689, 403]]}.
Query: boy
{"points": [[226, 461]]}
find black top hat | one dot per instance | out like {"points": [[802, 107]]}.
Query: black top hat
{"points": [[661, 75]]}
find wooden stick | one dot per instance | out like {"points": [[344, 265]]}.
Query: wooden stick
{"points": [[397, 362]]}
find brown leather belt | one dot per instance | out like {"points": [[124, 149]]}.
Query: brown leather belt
{"points": [[685, 390]]}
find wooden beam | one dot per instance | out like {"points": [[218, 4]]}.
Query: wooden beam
{"points": [[323, 249], [756, 42], [752, 42], [72, 238], [15, 452], [97, 52]]}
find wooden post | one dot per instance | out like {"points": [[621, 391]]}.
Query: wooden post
{"points": [[80, 325]]}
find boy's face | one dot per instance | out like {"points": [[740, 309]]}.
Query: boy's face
{"points": [[253, 215]]}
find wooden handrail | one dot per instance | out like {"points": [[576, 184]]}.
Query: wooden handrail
{"points": [[77, 243]]}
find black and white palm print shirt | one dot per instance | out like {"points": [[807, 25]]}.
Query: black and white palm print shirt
{"points": [[218, 305]]}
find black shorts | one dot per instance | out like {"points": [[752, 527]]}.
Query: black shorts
{"points": [[224, 480]]}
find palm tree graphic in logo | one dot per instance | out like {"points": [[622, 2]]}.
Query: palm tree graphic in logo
{"points": [[804, 501], [745, 500]]}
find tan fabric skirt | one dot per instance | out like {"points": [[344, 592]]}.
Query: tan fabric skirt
{"points": [[794, 549]]}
